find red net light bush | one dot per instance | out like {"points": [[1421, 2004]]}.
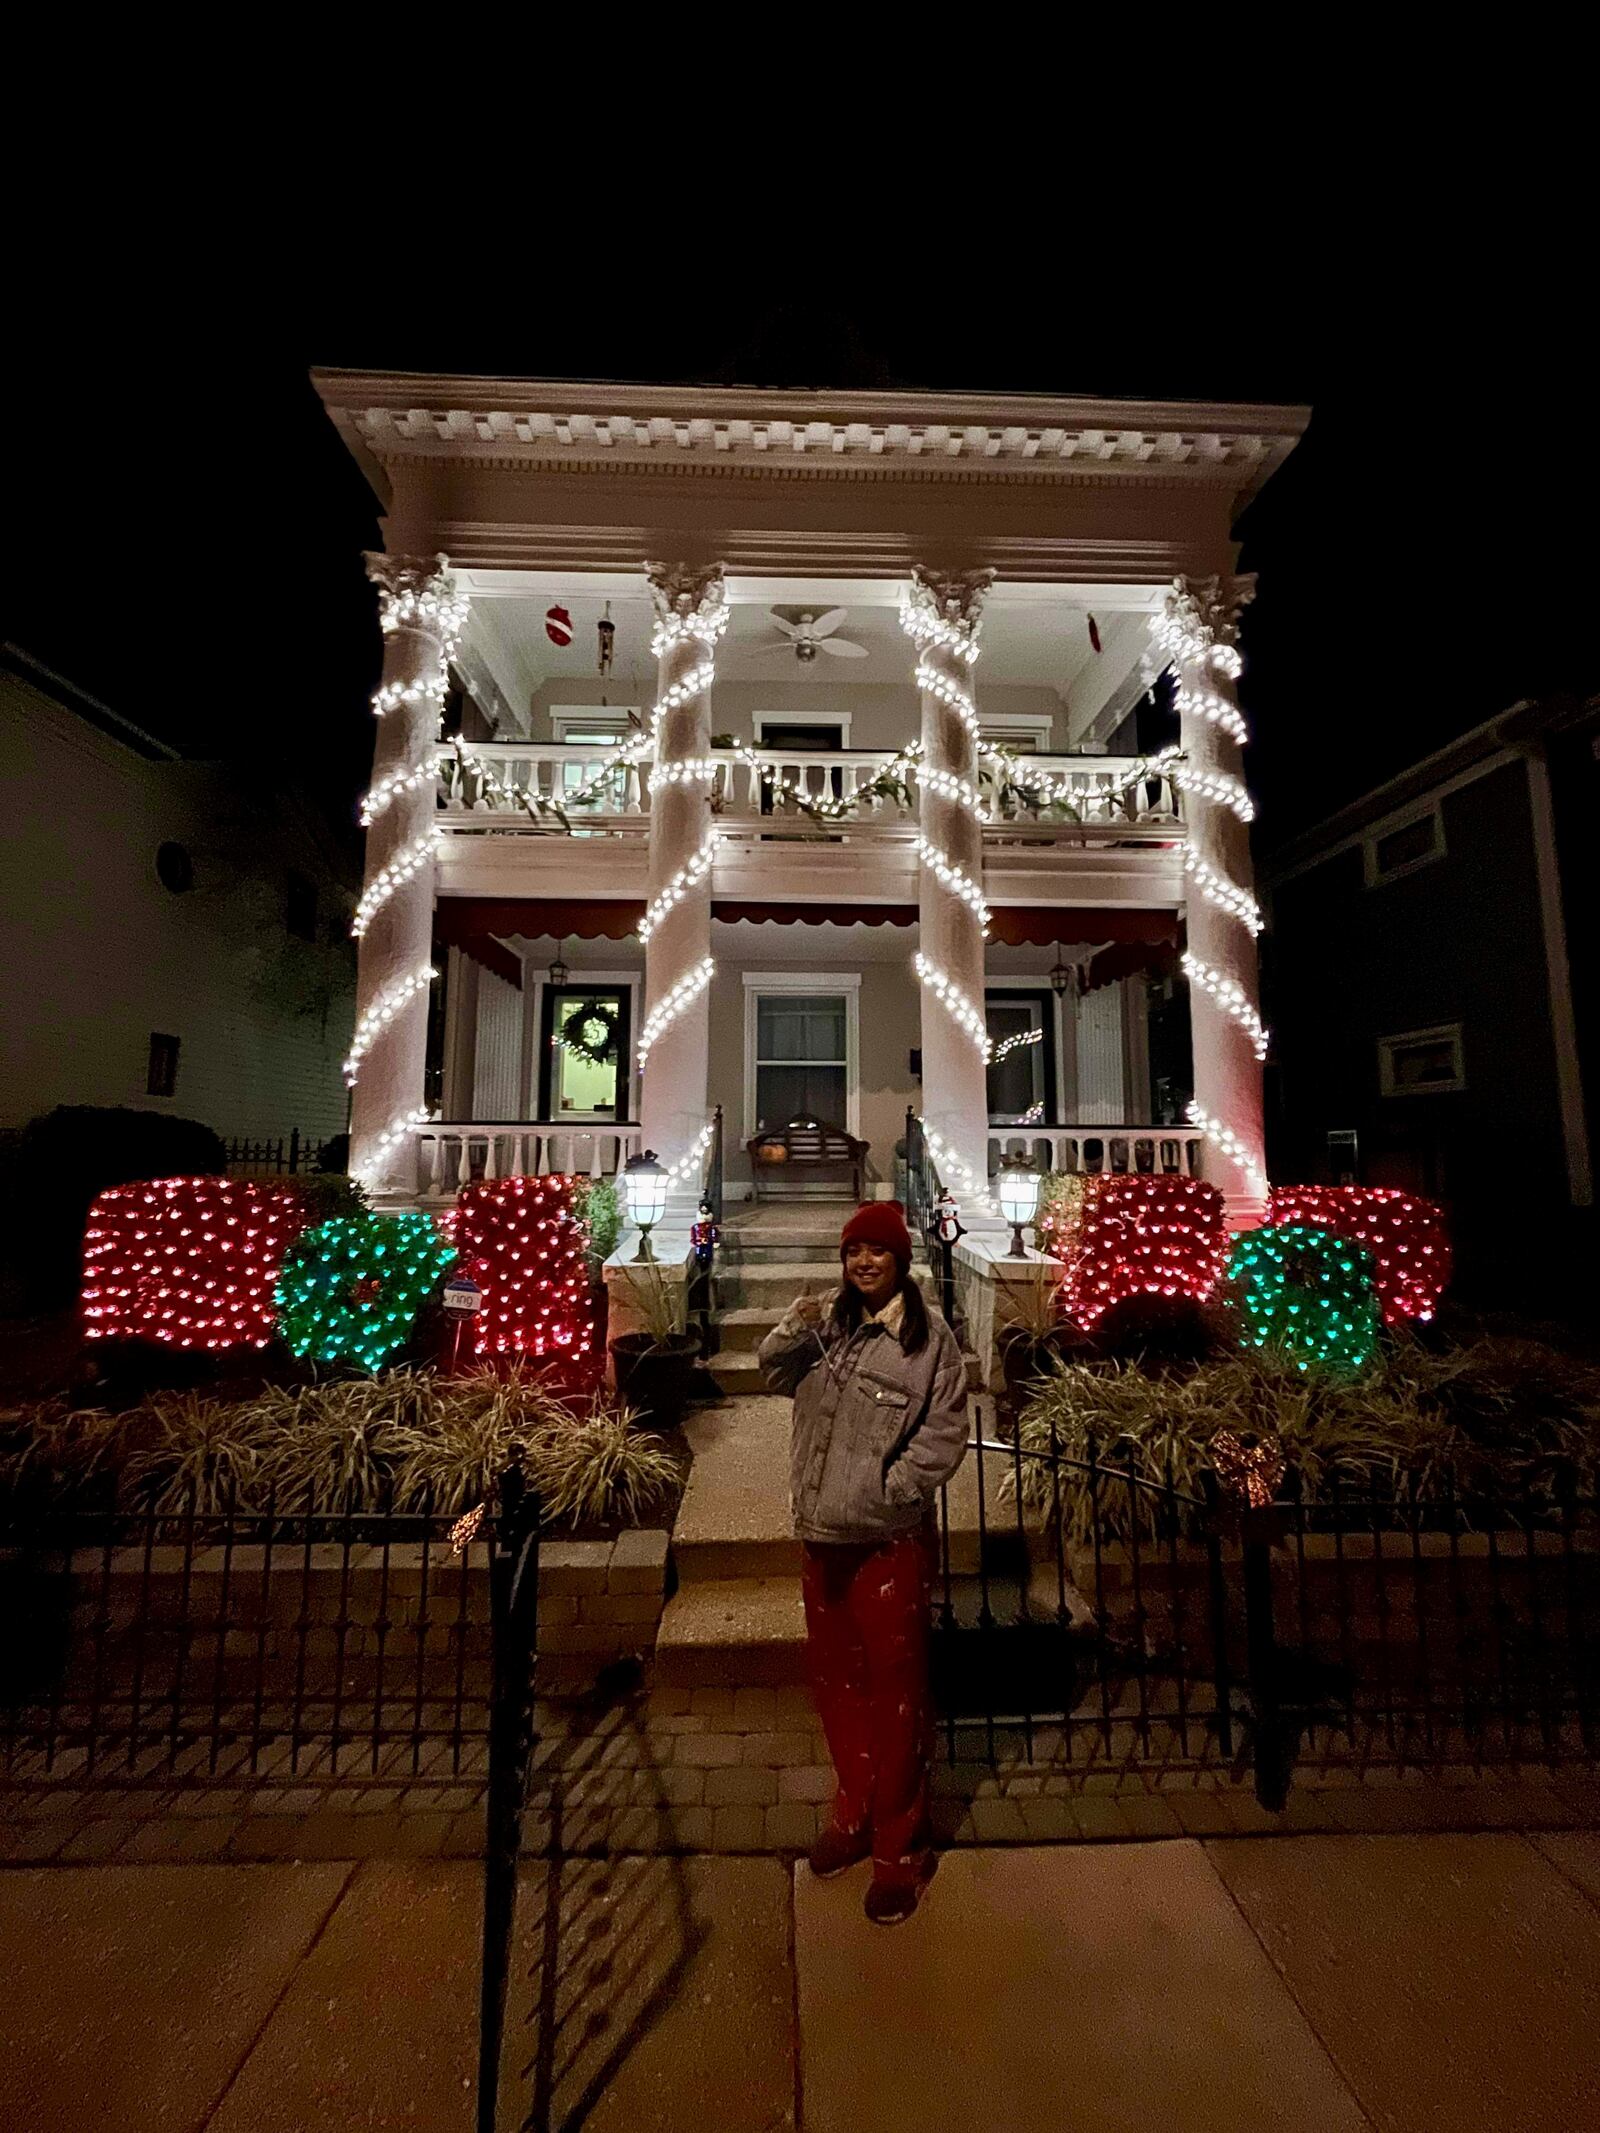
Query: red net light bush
{"points": [[522, 1244], [1406, 1236], [1133, 1236], [187, 1262]]}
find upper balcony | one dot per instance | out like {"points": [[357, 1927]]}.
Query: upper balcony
{"points": [[1061, 828]]}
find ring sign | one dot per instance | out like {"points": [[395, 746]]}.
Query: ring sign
{"points": [[462, 1294]]}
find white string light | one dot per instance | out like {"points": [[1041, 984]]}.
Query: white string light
{"points": [[706, 622], [955, 879], [667, 1010], [388, 790], [1218, 710], [1007, 1045], [935, 683], [1217, 889], [435, 605], [694, 683], [1231, 997], [1231, 1145], [952, 1169], [925, 623], [1218, 785], [954, 1000], [390, 695], [400, 870], [380, 1014], [679, 886], [389, 1139], [688, 1161], [950, 787], [685, 770]]}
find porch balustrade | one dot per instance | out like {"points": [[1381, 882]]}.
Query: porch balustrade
{"points": [[1096, 1149], [1108, 798], [451, 1154]]}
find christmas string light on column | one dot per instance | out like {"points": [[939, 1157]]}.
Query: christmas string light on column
{"points": [[1230, 1144], [958, 882], [678, 888], [1230, 996], [953, 1170], [380, 1014], [667, 1010], [1187, 630], [400, 870], [954, 1001], [398, 1130], [388, 789], [1218, 890]]}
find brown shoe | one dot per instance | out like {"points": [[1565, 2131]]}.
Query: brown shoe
{"points": [[836, 1849], [889, 1900]]}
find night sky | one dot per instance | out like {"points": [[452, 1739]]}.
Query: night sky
{"points": [[191, 527]]}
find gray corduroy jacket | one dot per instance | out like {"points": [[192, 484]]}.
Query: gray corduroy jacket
{"points": [[876, 1431]]}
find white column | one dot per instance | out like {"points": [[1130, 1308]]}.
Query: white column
{"points": [[674, 1039], [1199, 628], [421, 613], [943, 616]]}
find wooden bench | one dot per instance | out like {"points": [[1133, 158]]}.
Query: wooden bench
{"points": [[806, 1145]]}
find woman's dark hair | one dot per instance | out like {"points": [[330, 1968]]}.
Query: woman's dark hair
{"points": [[849, 1310]]}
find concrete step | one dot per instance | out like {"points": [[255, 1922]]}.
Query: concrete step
{"points": [[770, 1250], [733, 1633], [744, 1329], [776, 1283], [737, 1372], [734, 1519]]}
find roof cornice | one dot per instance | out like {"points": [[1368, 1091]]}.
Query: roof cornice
{"points": [[386, 416]]}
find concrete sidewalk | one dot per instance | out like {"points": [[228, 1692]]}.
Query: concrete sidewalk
{"points": [[1326, 1983]]}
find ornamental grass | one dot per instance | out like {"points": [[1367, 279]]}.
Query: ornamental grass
{"points": [[409, 1441], [1504, 1418]]}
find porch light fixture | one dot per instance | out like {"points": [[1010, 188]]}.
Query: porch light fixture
{"points": [[1063, 977], [558, 972], [645, 1181], [1017, 1188]]}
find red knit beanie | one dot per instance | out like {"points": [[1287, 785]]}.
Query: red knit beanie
{"points": [[883, 1223]]}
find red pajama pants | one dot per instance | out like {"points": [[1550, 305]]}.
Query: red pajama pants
{"points": [[867, 1656]]}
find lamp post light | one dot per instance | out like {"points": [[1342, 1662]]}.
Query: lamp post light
{"points": [[1017, 1187], [645, 1182]]}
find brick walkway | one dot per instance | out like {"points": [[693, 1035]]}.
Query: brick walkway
{"points": [[728, 1771]]}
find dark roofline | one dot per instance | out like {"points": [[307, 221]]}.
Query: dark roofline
{"points": [[89, 708]]}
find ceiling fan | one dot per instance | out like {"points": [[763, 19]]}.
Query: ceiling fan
{"points": [[809, 633]]}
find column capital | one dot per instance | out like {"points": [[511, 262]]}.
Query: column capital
{"points": [[1200, 612], [417, 593], [951, 599], [690, 602]]}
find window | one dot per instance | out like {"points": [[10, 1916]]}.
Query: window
{"points": [[800, 1049], [174, 868], [1022, 732], [161, 1074], [300, 907], [1401, 850], [1422, 1062], [1019, 1026]]}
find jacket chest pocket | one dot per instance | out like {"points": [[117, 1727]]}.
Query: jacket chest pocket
{"points": [[889, 1406]]}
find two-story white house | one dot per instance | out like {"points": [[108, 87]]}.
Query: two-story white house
{"points": [[811, 786]]}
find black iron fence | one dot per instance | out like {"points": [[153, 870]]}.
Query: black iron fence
{"points": [[1091, 1614], [287, 1156], [156, 1643]]}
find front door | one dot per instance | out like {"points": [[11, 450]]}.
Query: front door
{"points": [[584, 1053], [1021, 1028]]}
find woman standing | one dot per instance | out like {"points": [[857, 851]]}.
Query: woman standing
{"points": [[880, 1423]]}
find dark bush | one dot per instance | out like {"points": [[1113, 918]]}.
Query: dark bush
{"points": [[1159, 1331], [59, 1161]]}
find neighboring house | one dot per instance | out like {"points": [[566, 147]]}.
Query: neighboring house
{"points": [[176, 934], [1433, 990], [822, 591]]}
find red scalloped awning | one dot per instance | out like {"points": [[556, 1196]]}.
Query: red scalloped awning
{"points": [[462, 920], [814, 914], [1069, 925]]}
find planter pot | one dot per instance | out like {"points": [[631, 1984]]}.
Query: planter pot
{"points": [[655, 1376]]}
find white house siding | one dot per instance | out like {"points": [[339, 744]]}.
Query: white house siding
{"points": [[98, 955], [497, 1058], [1102, 1074]]}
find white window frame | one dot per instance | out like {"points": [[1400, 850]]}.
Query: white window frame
{"points": [[1442, 1032], [1378, 876], [617, 718], [763, 719], [1006, 725], [629, 981], [847, 982]]}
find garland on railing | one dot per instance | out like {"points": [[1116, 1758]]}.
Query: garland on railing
{"points": [[534, 805]]}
